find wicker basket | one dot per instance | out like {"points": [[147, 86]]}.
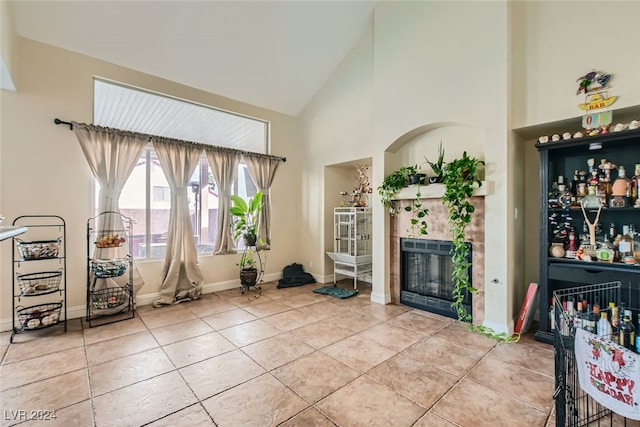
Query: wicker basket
{"points": [[109, 239], [39, 283], [106, 268], [41, 249], [39, 316]]}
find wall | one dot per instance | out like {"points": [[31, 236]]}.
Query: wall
{"points": [[566, 39], [44, 170], [337, 130]]}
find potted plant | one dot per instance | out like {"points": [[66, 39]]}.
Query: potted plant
{"points": [[248, 269], [437, 166], [245, 217], [459, 177], [393, 183]]}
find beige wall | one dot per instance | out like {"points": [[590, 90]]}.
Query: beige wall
{"points": [[44, 171]]}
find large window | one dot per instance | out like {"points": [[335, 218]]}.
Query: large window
{"points": [[146, 196]]}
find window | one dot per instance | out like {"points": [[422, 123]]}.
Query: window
{"points": [[146, 197], [161, 194]]}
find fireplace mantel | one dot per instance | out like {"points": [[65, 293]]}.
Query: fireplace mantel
{"points": [[436, 191]]}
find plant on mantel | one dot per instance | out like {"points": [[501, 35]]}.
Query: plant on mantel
{"points": [[391, 185], [459, 177]]}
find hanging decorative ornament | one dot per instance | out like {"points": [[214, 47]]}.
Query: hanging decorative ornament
{"points": [[594, 85]]}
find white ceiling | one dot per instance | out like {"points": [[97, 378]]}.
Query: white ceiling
{"points": [[272, 54]]}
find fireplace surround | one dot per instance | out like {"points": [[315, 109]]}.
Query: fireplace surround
{"points": [[439, 229]]}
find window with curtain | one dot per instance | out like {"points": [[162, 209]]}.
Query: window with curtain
{"points": [[146, 197]]}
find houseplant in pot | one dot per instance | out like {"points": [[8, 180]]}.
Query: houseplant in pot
{"points": [[393, 183], [245, 224], [245, 217], [437, 166]]}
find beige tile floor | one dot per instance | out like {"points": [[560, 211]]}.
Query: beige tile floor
{"points": [[287, 357]]}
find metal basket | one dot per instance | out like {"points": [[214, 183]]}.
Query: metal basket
{"points": [[110, 298], [39, 316], [39, 283], [574, 407], [40, 249], [106, 268]]}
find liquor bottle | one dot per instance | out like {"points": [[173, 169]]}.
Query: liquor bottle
{"points": [[620, 190], [572, 245], [589, 321], [625, 247], [635, 184], [604, 327], [627, 332], [552, 315], [564, 197], [574, 183], [615, 321], [605, 252], [636, 242], [578, 319]]}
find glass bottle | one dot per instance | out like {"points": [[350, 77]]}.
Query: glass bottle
{"points": [[605, 252], [574, 183], [564, 198], [636, 242], [615, 321], [627, 332], [635, 184], [604, 327], [620, 190], [589, 321], [625, 247]]}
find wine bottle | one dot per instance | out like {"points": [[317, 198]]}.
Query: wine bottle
{"points": [[627, 332], [589, 321]]}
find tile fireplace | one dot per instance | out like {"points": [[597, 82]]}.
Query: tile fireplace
{"points": [[440, 230]]}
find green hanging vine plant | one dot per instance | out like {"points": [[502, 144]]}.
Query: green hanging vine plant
{"points": [[459, 177]]}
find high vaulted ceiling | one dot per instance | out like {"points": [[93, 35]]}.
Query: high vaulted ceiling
{"points": [[272, 54]]}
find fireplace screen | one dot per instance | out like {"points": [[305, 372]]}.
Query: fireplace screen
{"points": [[425, 273]]}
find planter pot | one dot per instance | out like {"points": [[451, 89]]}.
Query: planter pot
{"points": [[435, 179], [248, 277], [418, 178], [250, 239]]}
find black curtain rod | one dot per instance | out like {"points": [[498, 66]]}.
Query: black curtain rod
{"points": [[62, 122]]}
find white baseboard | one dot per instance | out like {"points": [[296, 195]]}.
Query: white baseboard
{"points": [[379, 298], [147, 299], [499, 327]]}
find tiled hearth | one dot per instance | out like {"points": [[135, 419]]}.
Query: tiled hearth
{"points": [[439, 229]]}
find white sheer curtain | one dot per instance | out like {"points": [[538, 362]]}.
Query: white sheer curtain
{"points": [[224, 166], [181, 277], [112, 155], [263, 169]]}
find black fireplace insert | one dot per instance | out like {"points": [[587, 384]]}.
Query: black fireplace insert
{"points": [[426, 267]]}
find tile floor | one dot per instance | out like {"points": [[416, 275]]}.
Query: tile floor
{"points": [[288, 357]]}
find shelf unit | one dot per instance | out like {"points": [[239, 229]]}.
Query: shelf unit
{"points": [[39, 270], [563, 158], [109, 269], [351, 254]]}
